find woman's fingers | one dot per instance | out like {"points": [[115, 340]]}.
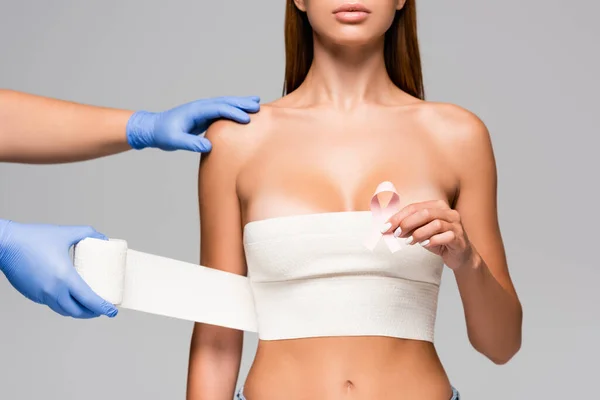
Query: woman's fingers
{"points": [[441, 239], [426, 231], [420, 217]]}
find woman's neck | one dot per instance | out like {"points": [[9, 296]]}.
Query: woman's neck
{"points": [[344, 77]]}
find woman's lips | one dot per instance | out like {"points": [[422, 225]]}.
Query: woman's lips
{"points": [[351, 13], [351, 16]]}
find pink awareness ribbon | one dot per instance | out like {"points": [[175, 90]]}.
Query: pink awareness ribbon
{"points": [[381, 215]]}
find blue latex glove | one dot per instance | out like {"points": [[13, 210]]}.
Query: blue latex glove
{"points": [[180, 128], [35, 259]]}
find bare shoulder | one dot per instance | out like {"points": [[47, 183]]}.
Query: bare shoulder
{"points": [[231, 136], [458, 131], [236, 142], [453, 124]]}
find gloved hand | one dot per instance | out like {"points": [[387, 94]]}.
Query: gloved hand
{"points": [[180, 127], [35, 259]]}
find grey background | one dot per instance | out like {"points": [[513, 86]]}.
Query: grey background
{"points": [[527, 68]]}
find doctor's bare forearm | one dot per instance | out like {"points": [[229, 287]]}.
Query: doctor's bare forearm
{"points": [[41, 130]]}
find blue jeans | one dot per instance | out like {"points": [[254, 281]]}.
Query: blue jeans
{"points": [[240, 394]]}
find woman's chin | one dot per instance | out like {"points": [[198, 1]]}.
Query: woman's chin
{"points": [[353, 38]]}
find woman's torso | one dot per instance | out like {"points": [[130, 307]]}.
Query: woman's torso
{"points": [[307, 161]]}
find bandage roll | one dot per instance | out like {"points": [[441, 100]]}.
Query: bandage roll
{"points": [[158, 285]]}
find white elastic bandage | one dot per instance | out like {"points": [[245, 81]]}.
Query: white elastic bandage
{"points": [[163, 286]]}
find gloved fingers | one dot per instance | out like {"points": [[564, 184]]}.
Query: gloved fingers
{"points": [[249, 104], [197, 116], [246, 103], [227, 111], [54, 306], [191, 142], [78, 233], [73, 308], [84, 295]]}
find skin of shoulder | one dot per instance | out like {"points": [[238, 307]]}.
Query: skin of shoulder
{"points": [[461, 135], [234, 143], [458, 127]]}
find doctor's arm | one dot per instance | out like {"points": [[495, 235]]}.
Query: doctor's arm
{"points": [[39, 130], [42, 130], [215, 352]]}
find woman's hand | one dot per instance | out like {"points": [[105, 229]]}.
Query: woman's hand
{"points": [[436, 227]]}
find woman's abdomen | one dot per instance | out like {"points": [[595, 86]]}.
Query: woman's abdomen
{"points": [[354, 368]]}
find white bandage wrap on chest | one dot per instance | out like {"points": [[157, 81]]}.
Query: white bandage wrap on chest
{"points": [[311, 275]]}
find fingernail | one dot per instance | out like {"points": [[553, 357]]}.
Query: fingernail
{"points": [[386, 227], [409, 240], [398, 232], [424, 242]]}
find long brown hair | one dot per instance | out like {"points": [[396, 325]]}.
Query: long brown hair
{"points": [[401, 50]]}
